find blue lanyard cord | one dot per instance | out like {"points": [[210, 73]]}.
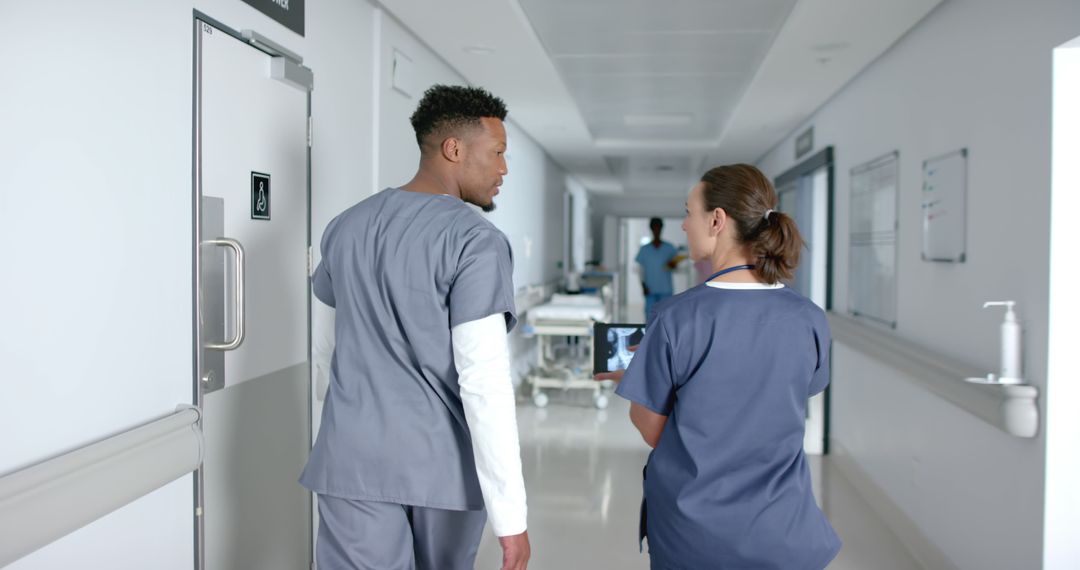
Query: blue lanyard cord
{"points": [[729, 270]]}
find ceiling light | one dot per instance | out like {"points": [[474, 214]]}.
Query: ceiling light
{"points": [[479, 50], [658, 120], [831, 47]]}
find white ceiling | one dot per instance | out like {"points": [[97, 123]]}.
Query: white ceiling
{"points": [[647, 70], [641, 96]]}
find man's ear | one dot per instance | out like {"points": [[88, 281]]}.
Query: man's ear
{"points": [[452, 149]]}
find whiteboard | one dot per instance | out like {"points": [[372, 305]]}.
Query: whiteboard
{"points": [[944, 207], [872, 244]]}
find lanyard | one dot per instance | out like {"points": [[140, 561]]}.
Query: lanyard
{"points": [[729, 270]]}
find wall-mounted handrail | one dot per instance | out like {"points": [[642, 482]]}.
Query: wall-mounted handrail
{"points": [[1013, 408], [45, 501]]}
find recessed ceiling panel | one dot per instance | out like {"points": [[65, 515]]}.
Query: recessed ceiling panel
{"points": [[691, 43], [647, 66], [622, 58], [681, 91], [549, 16], [690, 107]]}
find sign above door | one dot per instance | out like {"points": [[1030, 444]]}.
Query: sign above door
{"points": [[289, 13]]}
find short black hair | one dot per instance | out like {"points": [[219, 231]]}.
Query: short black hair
{"points": [[449, 107], [656, 222]]}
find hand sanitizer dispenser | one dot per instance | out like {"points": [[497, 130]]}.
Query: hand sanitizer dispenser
{"points": [[1012, 370], [1018, 408]]}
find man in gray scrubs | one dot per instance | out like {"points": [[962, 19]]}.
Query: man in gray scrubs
{"points": [[418, 432]]}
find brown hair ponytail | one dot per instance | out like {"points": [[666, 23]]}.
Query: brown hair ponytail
{"points": [[748, 198]]}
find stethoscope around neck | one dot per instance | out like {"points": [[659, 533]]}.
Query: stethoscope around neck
{"points": [[729, 270]]}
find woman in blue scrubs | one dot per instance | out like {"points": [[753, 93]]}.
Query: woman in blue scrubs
{"points": [[719, 389]]}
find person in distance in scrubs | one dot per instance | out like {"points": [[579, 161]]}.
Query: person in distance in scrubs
{"points": [[656, 260]]}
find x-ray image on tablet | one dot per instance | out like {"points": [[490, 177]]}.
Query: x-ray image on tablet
{"points": [[611, 345]]}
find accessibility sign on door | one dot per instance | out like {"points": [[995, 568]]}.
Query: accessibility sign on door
{"points": [[260, 196]]}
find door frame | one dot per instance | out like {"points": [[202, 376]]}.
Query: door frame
{"points": [[822, 159], [199, 19]]}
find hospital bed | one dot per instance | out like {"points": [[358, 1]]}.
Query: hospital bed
{"points": [[569, 366]]}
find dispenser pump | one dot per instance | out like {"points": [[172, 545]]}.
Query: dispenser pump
{"points": [[1010, 315], [1011, 364]]}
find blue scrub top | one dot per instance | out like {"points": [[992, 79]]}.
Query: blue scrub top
{"points": [[728, 485], [654, 270]]}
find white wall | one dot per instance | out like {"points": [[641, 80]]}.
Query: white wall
{"points": [[975, 74], [399, 154], [530, 209], [95, 234], [95, 216], [1062, 517], [342, 52]]}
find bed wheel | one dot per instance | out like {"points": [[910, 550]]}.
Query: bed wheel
{"points": [[600, 401], [540, 400]]}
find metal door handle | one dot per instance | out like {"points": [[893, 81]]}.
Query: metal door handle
{"points": [[238, 293]]}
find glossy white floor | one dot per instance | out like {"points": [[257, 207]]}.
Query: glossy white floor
{"points": [[583, 475]]}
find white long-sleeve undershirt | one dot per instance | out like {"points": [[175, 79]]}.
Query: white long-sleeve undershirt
{"points": [[482, 359], [322, 345]]}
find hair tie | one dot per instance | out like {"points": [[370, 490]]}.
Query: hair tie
{"points": [[767, 212]]}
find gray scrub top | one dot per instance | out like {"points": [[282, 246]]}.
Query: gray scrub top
{"points": [[728, 485], [401, 269]]}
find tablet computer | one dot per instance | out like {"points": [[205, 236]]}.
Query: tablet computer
{"points": [[611, 345]]}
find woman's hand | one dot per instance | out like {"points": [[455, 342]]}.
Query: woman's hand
{"points": [[616, 375]]}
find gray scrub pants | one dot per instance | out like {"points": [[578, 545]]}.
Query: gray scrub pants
{"points": [[368, 535]]}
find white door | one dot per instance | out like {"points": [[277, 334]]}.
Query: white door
{"points": [[251, 159]]}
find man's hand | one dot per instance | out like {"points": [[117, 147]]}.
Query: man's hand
{"points": [[515, 551]]}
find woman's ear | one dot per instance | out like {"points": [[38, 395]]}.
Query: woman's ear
{"points": [[718, 221]]}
